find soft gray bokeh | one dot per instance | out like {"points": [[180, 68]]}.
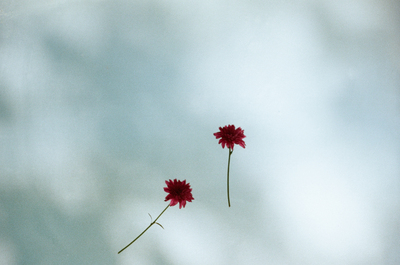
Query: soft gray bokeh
{"points": [[102, 101]]}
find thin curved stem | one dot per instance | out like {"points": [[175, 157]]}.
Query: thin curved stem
{"points": [[229, 162], [152, 223]]}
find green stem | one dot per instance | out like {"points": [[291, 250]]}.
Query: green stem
{"points": [[229, 162], [152, 223]]}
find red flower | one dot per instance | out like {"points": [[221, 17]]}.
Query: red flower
{"points": [[178, 191], [230, 136]]}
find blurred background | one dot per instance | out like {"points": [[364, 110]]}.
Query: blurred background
{"points": [[101, 101]]}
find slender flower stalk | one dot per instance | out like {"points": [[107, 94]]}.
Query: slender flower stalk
{"points": [[178, 192], [152, 223], [227, 181], [229, 137]]}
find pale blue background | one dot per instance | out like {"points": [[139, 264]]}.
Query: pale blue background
{"points": [[102, 101]]}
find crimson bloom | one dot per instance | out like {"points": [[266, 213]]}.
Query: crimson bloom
{"points": [[230, 136], [179, 192]]}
